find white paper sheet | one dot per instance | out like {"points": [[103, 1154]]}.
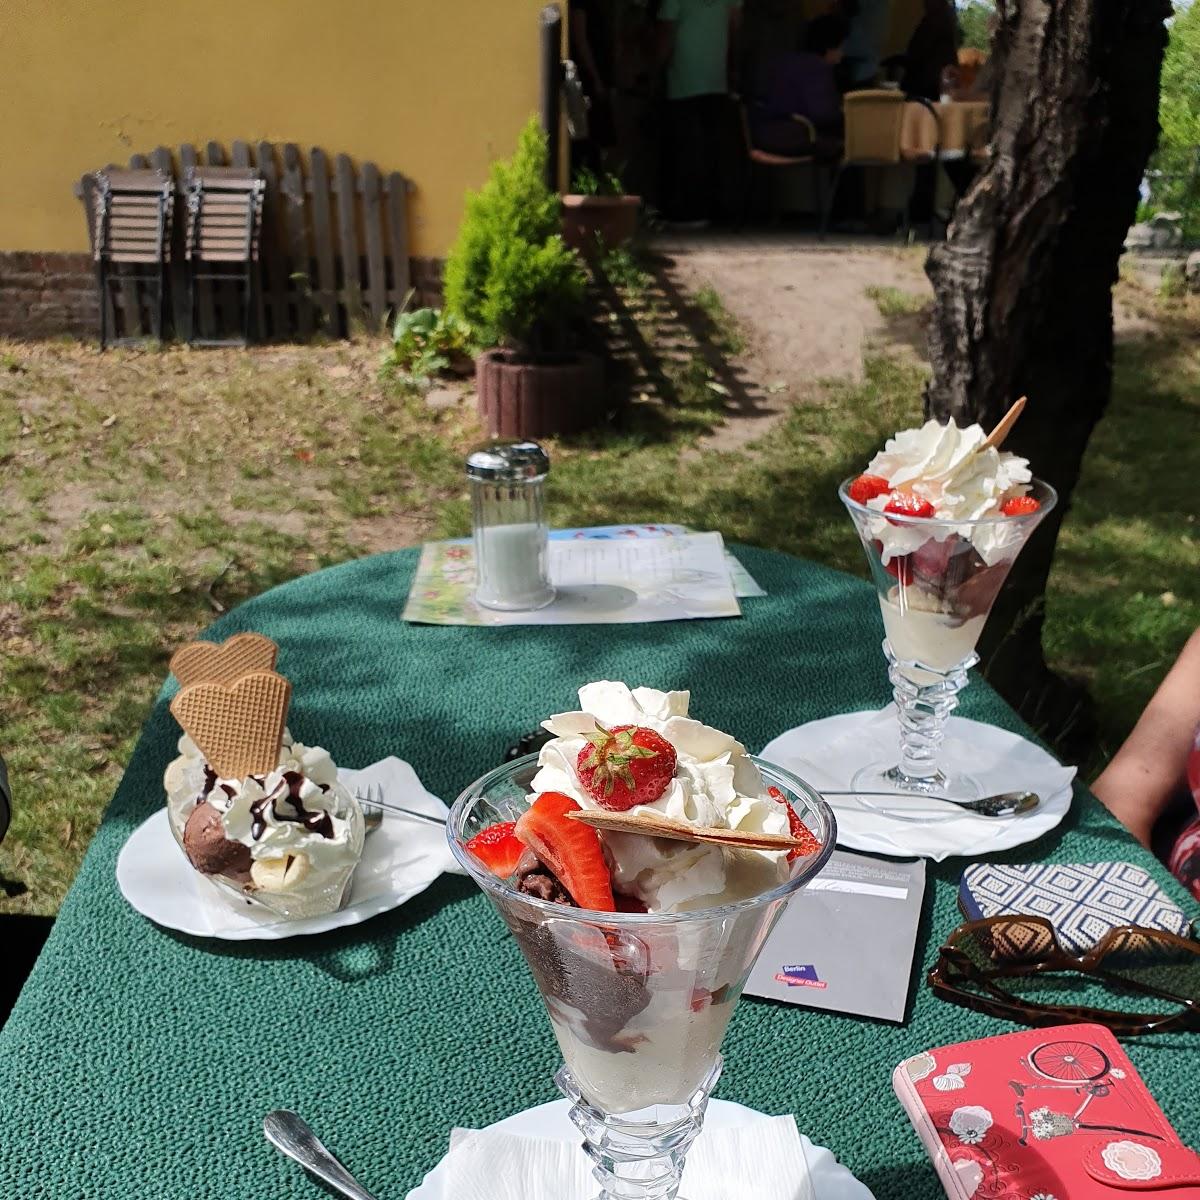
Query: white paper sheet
{"points": [[598, 581]]}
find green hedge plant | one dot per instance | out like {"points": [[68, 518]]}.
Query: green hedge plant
{"points": [[509, 276]]}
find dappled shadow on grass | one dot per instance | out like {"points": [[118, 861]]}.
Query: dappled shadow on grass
{"points": [[669, 360]]}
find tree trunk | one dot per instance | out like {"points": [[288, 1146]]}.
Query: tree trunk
{"points": [[1022, 284]]}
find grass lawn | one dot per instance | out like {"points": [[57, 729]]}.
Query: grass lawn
{"points": [[124, 533]]}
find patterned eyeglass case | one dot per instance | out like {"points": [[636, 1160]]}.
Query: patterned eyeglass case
{"points": [[1044, 1114], [1083, 901]]}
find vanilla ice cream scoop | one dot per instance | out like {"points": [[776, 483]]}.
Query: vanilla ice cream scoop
{"points": [[297, 829], [716, 784]]}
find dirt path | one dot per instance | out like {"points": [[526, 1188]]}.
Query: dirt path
{"points": [[803, 306]]}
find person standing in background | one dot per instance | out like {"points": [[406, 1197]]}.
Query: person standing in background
{"points": [[697, 43], [868, 28], [932, 47], [591, 43]]}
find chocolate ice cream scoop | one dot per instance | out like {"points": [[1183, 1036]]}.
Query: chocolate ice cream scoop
{"points": [[207, 847]]}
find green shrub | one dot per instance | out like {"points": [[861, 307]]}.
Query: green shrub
{"points": [[1175, 168], [509, 275], [586, 182], [425, 342]]}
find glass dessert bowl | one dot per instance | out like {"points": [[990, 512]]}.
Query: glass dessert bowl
{"points": [[942, 518], [638, 1000]]}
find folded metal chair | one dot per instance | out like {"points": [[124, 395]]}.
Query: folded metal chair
{"points": [[131, 246], [224, 226]]}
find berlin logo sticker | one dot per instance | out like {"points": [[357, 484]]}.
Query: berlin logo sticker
{"points": [[803, 975]]}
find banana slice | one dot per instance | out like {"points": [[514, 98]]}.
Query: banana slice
{"points": [[279, 874]]}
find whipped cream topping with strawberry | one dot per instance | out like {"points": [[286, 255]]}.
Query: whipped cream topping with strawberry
{"points": [[957, 477], [714, 784]]}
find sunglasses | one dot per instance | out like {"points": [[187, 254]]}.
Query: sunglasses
{"points": [[1016, 968]]}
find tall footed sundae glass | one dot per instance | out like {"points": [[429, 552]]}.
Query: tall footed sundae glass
{"points": [[638, 1000], [942, 517]]}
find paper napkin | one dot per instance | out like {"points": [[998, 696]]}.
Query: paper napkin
{"points": [[761, 1160], [404, 850]]}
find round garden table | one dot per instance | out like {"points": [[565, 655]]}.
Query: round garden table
{"points": [[140, 1063]]}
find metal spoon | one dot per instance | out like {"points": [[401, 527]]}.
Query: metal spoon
{"points": [[1003, 804], [291, 1134]]}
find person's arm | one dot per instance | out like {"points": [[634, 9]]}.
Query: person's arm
{"points": [[583, 48], [1151, 767]]}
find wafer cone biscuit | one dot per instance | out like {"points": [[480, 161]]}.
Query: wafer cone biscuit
{"points": [[223, 662], [237, 726]]}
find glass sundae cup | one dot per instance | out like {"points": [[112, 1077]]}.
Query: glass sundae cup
{"points": [[937, 579], [638, 1002]]}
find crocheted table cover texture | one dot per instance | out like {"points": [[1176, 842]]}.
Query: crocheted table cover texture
{"points": [[140, 1062]]}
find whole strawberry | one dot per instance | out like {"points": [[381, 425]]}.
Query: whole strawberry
{"points": [[624, 766]]}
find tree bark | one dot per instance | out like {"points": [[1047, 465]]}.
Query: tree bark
{"points": [[1023, 282]]}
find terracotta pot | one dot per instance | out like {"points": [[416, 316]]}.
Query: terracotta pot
{"points": [[591, 221], [536, 399]]}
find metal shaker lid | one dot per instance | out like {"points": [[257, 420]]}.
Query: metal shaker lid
{"points": [[503, 461]]}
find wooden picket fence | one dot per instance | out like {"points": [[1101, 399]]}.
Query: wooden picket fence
{"points": [[334, 246]]}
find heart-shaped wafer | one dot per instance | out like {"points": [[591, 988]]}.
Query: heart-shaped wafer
{"points": [[223, 662], [237, 726], [676, 831]]}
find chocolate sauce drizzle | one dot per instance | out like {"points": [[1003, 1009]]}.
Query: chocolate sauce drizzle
{"points": [[289, 790]]}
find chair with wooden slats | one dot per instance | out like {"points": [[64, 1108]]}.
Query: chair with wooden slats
{"points": [[224, 226], [131, 246]]}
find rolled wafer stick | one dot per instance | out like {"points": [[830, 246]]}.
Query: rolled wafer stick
{"points": [[995, 439], [676, 831]]}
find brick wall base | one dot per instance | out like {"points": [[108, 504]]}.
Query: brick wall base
{"points": [[50, 295], [47, 295]]}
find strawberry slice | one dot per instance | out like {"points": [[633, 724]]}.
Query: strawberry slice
{"points": [[497, 848], [796, 828], [625, 766], [570, 849], [1019, 506], [867, 487], [905, 504]]}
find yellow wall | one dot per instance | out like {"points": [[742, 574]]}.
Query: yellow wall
{"points": [[433, 88]]}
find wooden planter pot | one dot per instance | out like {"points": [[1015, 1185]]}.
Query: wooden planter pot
{"points": [[531, 399], [591, 221]]}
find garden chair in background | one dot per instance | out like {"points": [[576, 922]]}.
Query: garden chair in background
{"points": [[224, 228], [873, 122], [764, 162], [131, 246]]}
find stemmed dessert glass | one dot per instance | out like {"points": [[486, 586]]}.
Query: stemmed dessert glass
{"points": [[937, 580], [638, 1002]]}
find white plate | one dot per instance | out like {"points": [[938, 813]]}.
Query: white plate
{"points": [[400, 860], [826, 753], [830, 1180]]}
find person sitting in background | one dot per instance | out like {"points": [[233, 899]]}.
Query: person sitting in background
{"points": [[803, 83], [1152, 785], [697, 42], [932, 48]]}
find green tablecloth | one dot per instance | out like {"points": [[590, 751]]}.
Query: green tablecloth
{"points": [[139, 1063]]}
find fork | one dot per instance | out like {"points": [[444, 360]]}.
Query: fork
{"points": [[374, 806]]}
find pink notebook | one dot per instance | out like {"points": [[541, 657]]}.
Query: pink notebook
{"points": [[1044, 1114]]}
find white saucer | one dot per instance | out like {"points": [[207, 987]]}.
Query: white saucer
{"points": [[400, 860], [830, 1180], [827, 753]]}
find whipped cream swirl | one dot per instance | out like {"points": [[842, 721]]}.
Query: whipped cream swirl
{"points": [[945, 465], [297, 811], [715, 785]]}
